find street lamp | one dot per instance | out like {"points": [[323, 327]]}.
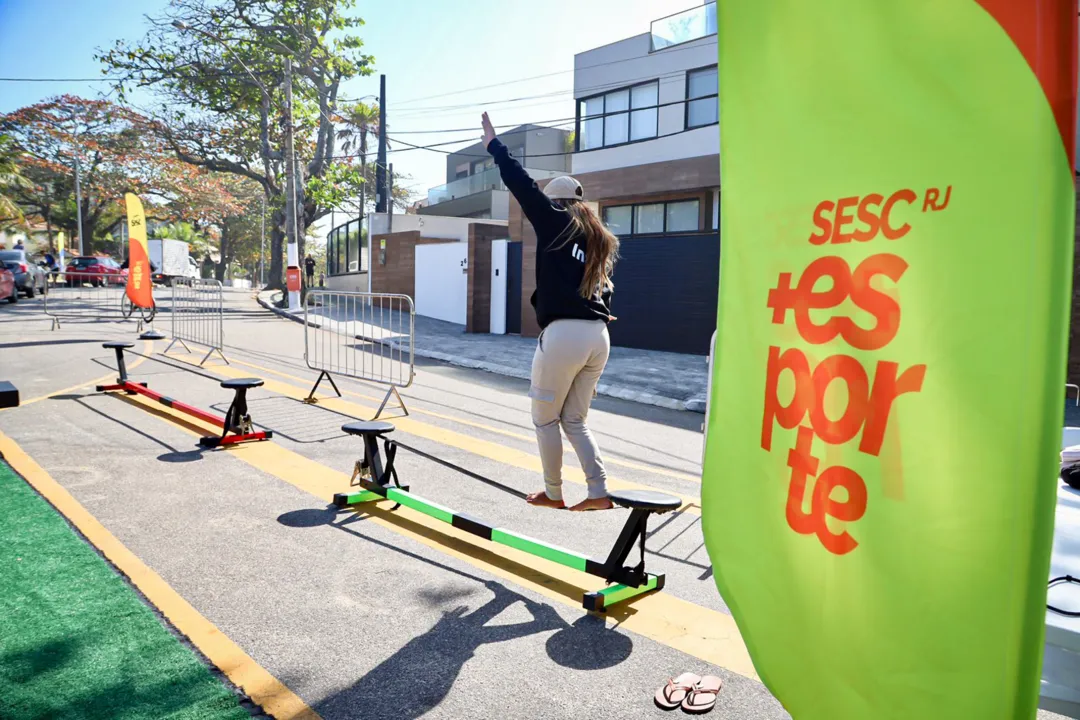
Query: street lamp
{"points": [[290, 161]]}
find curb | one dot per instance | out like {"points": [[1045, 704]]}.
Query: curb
{"points": [[694, 404]]}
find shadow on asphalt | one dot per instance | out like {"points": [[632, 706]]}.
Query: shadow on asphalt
{"points": [[173, 455], [707, 569], [682, 419], [293, 419], [392, 689], [46, 342]]}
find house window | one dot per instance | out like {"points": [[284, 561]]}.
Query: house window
{"points": [[659, 218], [619, 220], [701, 95], [681, 216], [331, 243], [643, 122], [346, 250], [649, 219], [353, 252], [340, 261], [619, 117]]}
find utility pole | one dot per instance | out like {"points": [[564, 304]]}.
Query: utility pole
{"points": [[390, 199], [78, 203], [78, 190], [380, 163], [262, 244], [293, 273]]}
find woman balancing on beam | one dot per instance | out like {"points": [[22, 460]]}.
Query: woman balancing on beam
{"points": [[575, 255]]}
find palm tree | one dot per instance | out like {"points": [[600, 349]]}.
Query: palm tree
{"points": [[362, 121], [185, 232]]}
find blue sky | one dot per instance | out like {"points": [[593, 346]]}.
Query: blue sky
{"points": [[425, 47]]}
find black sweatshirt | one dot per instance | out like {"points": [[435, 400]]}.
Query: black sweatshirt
{"points": [[560, 265]]}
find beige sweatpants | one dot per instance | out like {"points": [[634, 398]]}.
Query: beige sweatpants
{"points": [[569, 359]]}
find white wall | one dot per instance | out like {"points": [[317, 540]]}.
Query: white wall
{"points": [[442, 289], [497, 312], [432, 226], [356, 282], [500, 205], [629, 62]]}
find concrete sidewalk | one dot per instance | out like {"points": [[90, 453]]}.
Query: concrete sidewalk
{"points": [[670, 380]]}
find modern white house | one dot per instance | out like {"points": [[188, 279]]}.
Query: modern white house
{"points": [[649, 98], [647, 152]]}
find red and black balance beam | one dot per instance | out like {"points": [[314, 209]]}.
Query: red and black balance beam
{"points": [[209, 441]]}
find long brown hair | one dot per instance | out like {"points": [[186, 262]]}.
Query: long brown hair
{"points": [[601, 246]]}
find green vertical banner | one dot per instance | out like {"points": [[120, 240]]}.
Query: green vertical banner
{"points": [[885, 414]]}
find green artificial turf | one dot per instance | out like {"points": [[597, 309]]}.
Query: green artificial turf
{"points": [[76, 641]]}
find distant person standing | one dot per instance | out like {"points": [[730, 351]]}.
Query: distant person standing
{"points": [[19, 244], [309, 270], [54, 268]]}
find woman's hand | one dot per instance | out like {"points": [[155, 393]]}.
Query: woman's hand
{"points": [[489, 130]]}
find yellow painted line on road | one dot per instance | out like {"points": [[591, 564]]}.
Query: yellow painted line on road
{"points": [[262, 687], [484, 448], [709, 635], [609, 460], [147, 347]]}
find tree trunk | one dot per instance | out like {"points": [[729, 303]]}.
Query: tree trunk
{"points": [[276, 274], [48, 234], [223, 261]]}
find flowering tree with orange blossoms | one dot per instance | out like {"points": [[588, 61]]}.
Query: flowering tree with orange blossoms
{"points": [[114, 156]]}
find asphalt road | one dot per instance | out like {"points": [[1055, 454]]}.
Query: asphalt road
{"points": [[377, 615]]}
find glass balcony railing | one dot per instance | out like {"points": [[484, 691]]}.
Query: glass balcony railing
{"points": [[487, 180], [692, 24]]}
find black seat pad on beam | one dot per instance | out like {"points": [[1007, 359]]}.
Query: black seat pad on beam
{"points": [[374, 427], [245, 383], [112, 345], [657, 502]]}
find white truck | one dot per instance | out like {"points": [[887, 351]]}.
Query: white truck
{"points": [[170, 259]]}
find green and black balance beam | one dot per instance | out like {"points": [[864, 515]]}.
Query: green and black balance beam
{"points": [[598, 601]]}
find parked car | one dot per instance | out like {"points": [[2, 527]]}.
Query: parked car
{"points": [[7, 286], [94, 270], [29, 277]]}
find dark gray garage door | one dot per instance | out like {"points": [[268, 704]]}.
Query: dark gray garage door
{"points": [[665, 292]]}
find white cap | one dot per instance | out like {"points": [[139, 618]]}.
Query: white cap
{"points": [[564, 188]]}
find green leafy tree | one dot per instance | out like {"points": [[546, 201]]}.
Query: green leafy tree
{"points": [[11, 182], [217, 69]]}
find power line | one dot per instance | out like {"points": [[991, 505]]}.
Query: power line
{"points": [[114, 78], [483, 87], [670, 51], [435, 148], [31, 80], [539, 123], [555, 97]]}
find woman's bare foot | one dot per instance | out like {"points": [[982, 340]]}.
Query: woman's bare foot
{"points": [[541, 499], [592, 504]]}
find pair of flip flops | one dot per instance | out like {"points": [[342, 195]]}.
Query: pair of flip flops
{"points": [[694, 694]]}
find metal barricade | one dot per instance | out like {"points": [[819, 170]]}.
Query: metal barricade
{"points": [[92, 297], [365, 336], [198, 315]]}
